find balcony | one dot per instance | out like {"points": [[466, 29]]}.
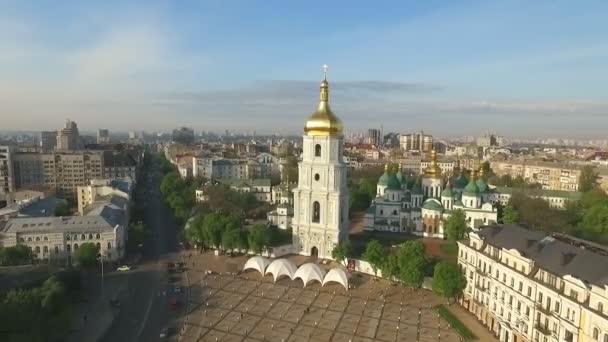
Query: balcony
{"points": [[542, 329], [481, 288], [543, 309]]}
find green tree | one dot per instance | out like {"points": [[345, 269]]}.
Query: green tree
{"points": [[258, 238], [359, 201], [16, 255], [375, 254], [341, 251], [595, 222], [62, 209], [588, 179], [448, 280], [412, 262], [510, 215], [456, 225], [390, 268], [230, 239], [86, 255]]}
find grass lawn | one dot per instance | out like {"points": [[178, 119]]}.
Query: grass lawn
{"points": [[455, 323]]}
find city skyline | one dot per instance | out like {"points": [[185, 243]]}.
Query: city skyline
{"points": [[445, 68]]}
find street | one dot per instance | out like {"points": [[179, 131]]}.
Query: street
{"points": [[144, 311]]}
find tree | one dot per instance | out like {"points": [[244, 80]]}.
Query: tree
{"points": [[390, 268], [448, 280], [62, 209], [595, 222], [86, 255], [510, 215], [456, 225], [258, 238], [375, 255], [359, 201], [588, 179], [16, 255], [230, 239], [412, 262], [341, 251]]}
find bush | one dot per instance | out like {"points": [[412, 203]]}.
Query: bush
{"points": [[455, 323]]}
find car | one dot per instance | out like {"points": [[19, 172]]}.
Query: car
{"points": [[123, 268], [167, 332], [177, 289]]}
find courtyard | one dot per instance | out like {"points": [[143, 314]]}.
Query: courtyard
{"points": [[249, 307]]}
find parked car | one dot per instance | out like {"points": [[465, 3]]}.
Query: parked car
{"points": [[167, 332]]}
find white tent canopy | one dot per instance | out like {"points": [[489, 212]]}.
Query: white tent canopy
{"points": [[309, 272], [338, 275], [258, 263], [281, 267]]}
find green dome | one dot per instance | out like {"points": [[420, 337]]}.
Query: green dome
{"points": [[460, 182], [399, 176], [447, 192], [471, 189], [482, 185], [393, 183], [383, 180], [432, 205]]}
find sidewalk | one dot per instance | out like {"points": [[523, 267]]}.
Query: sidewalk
{"points": [[482, 333], [98, 311]]}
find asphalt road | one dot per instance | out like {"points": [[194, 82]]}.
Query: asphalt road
{"points": [[144, 312]]}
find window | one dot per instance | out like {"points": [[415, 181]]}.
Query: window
{"points": [[97, 236], [529, 291], [317, 150], [46, 238], [317, 177], [45, 249], [540, 297], [29, 239], [37, 238], [605, 337], [109, 245], [574, 294], [56, 250], [90, 236], [316, 212], [68, 248], [37, 249], [596, 334], [600, 308], [98, 246], [75, 247], [82, 237]]}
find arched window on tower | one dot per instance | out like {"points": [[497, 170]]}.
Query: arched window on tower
{"points": [[316, 212], [317, 150]]}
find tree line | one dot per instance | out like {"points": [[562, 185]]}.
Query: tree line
{"points": [[38, 314], [228, 232]]}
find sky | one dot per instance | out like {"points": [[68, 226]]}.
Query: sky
{"points": [[450, 68]]}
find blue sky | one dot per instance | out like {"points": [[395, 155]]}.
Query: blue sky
{"points": [[520, 68]]}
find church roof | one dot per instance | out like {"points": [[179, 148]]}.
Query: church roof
{"points": [[460, 182], [432, 205], [447, 192], [383, 180], [393, 183], [471, 189], [482, 185]]}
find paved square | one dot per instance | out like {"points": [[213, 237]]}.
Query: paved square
{"points": [[249, 307]]}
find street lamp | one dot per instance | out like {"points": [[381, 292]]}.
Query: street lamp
{"points": [[100, 259]]}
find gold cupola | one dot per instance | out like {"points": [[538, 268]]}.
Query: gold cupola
{"points": [[433, 170], [323, 121]]}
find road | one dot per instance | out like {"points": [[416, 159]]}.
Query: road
{"points": [[144, 311]]}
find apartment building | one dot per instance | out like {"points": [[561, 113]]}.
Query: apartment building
{"points": [[531, 286], [7, 181], [62, 172], [552, 176], [416, 142], [101, 189], [209, 167]]}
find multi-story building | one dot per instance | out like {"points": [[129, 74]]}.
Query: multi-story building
{"points": [[183, 135], [210, 167], [120, 164], [531, 286], [373, 137], [103, 136], [552, 176], [48, 140], [416, 142], [68, 137], [7, 180], [101, 189], [62, 172]]}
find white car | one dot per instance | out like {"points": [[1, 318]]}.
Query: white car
{"points": [[123, 268]]}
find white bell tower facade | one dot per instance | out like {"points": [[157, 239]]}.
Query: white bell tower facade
{"points": [[320, 219]]}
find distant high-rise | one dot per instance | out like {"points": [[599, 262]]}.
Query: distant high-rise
{"points": [[103, 136], [373, 136], [7, 181], [416, 142], [68, 137], [48, 140], [183, 135]]}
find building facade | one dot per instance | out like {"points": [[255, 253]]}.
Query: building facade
{"points": [[68, 138], [320, 219], [530, 286], [7, 179], [416, 142], [103, 136], [552, 176], [48, 140]]}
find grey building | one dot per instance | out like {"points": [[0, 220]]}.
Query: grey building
{"points": [[48, 140], [7, 180]]}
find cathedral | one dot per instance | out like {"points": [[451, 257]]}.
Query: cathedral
{"points": [[420, 206], [320, 202]]}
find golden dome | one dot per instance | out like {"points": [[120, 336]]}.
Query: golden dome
{"points": [[433, 170], [323, 121]]}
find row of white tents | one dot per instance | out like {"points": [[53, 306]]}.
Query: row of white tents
{"points": [[307, 272]]}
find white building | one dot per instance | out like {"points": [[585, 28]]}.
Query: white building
{"points": [[321, 199], [529, 286], [101, 189], [420, 205]]}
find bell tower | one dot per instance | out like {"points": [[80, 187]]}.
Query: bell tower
{"points": [[320, 219]]}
